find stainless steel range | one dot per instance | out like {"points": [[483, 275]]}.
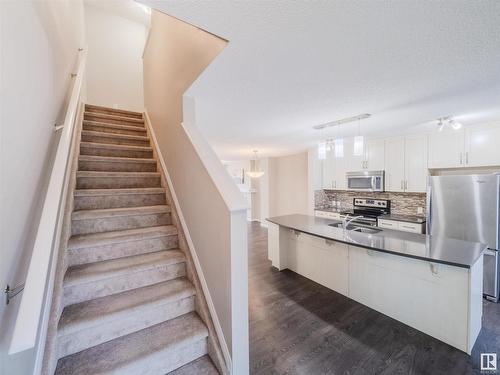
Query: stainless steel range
{"points": [[368, 210]]}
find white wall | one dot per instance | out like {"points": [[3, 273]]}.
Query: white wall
{"points": [[39, 43], [211, 206], [114, 60], [288, 185]]}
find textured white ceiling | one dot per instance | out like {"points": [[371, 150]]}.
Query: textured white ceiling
{"points": [[291, 65]]}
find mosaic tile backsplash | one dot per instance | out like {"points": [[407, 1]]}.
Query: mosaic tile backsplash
{"points": [[401, 203]]}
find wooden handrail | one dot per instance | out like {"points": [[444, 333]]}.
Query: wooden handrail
{"points": [[34, 296]]}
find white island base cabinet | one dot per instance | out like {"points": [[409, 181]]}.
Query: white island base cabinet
{"points": [[440, 300]]}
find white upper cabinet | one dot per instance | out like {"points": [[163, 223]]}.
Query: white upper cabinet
{"points": [[375, 155], [406, 164], [474, 146], [406, 159], [352, 162], [446, 149], [482, 145], [416, 164], [371, 158], [339, 174], [395, 164], [334, 170]]}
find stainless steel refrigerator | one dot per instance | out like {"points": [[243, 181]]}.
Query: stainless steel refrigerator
{"points": [[468, 208]]}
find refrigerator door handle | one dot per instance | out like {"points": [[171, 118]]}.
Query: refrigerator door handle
{"points": [[429, 206]]}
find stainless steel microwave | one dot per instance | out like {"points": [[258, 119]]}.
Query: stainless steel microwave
{"points": [[365, 181]]}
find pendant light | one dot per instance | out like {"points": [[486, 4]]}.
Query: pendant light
{"points": [[321, 150], [339, 145], [359, 142], [254, 165]]}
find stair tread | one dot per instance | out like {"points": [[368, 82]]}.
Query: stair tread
{"points": [[116, 354], [114, 126], [84, 273], [119, 236], [117, 110], [106, 309], [114, 135], [116, 147], [124, 191], [116, 174], [200, 366], [121, 211], [114, 117], [116, 159]]}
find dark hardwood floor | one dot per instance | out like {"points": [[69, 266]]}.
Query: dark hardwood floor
{"points": [[300, 327]]}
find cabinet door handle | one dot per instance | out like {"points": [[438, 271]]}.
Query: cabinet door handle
{"points": [[406, 184], [402, 185], [467, 157], [461, 159]]}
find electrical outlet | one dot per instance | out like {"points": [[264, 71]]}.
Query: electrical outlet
{"points": [[420, 210]]}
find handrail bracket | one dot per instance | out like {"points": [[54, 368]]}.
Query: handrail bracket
{"points": [[11, 293]]}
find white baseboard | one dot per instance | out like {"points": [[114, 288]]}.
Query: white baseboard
{"points": [[192, 250]]}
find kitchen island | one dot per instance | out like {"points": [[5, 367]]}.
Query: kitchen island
{"points": [[433, 284]]}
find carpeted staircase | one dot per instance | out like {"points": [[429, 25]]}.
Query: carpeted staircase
{"points": [[129, 307]]}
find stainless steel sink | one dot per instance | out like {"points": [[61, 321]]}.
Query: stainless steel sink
{"points": [[356, 228], [341, 225], [366, 230]]}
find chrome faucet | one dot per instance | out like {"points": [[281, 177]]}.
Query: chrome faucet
{"points": [[346, 222]]}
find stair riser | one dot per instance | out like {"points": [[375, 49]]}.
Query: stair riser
{"points": [[117, 182], [118, 201], [101, 288], [124, 121], [108, 224], [120, 326], [164, 361], [114, 140], [117, 153], [121, 250], [113, 112], [106, 166], [106, 129]]}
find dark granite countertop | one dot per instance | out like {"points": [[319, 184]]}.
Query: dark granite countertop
{"points": [[406, 218], [418, 246]]}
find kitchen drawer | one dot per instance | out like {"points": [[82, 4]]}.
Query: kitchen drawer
{"points": [[389, 224], [401, 225], [410, 227], [327, 214]]}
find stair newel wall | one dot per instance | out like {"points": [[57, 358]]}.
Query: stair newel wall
{"points": [[214, 346]]}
